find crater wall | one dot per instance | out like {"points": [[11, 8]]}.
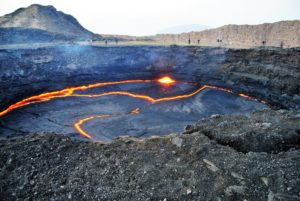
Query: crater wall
{"points": [[269, 74]]}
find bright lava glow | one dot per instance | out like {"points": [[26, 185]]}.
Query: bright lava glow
{"points": [[166, 80], [70, 92]]}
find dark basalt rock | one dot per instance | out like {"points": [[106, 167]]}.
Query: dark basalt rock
{"points": [[263, 131], [268, 74], [174, 167], [254, 157]]}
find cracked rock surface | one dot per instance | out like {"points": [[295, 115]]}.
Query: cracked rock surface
{"points": [[237, 157], [263, 131], [194, 166]]}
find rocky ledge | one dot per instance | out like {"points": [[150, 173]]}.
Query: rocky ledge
{"points": [[257, 157]]}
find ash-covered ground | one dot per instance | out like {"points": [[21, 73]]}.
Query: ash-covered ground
{"points": [[249, 156]]}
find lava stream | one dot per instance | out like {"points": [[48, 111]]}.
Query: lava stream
{"points": [[78, 124], [69, 92], [63, 93]]}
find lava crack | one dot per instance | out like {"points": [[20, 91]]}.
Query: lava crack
{"points": [[70, 92]]}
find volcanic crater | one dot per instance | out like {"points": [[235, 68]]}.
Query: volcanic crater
{"points": [[105, 92], [235, 114]]}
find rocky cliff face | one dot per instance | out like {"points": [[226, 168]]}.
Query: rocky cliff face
{"points": [[271, 74], [45, 18], [284, 33]]}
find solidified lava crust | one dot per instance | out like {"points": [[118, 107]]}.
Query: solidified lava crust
{"points": [[253, 156], [191, 166], [71, 92]]}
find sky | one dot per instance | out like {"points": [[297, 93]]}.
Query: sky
{"points": [[148, 17]]}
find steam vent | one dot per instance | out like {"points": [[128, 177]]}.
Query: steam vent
{"points": [[85, 116]]}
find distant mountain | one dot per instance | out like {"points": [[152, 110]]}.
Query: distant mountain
{"points": [[38, 23], [23, 35], [183, 29], [45, 18], [283, 33]]}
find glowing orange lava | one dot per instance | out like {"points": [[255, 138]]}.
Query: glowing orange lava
{"points": [[63, 93], [166, 80], [69, 92], [136, 111], [78, 124]]}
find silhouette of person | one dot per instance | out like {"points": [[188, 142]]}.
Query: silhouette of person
{"points": [[105, 42], [281, 44], [116, 41], [263, 42], [189, 41], [198, 41]]}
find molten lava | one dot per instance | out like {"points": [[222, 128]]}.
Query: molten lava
{"points": [[136, 111], [166, 80], [78, 124], [70, 92]]}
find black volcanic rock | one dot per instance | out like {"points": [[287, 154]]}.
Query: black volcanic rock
{"points": [[253, 157], [175, 167], [268, 74], [45, 18]]}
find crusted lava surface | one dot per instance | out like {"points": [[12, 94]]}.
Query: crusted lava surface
{"points": [[191, 166], [245, 156]]}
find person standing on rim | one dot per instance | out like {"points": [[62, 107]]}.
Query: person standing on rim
{"points": [[189, 41]]}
